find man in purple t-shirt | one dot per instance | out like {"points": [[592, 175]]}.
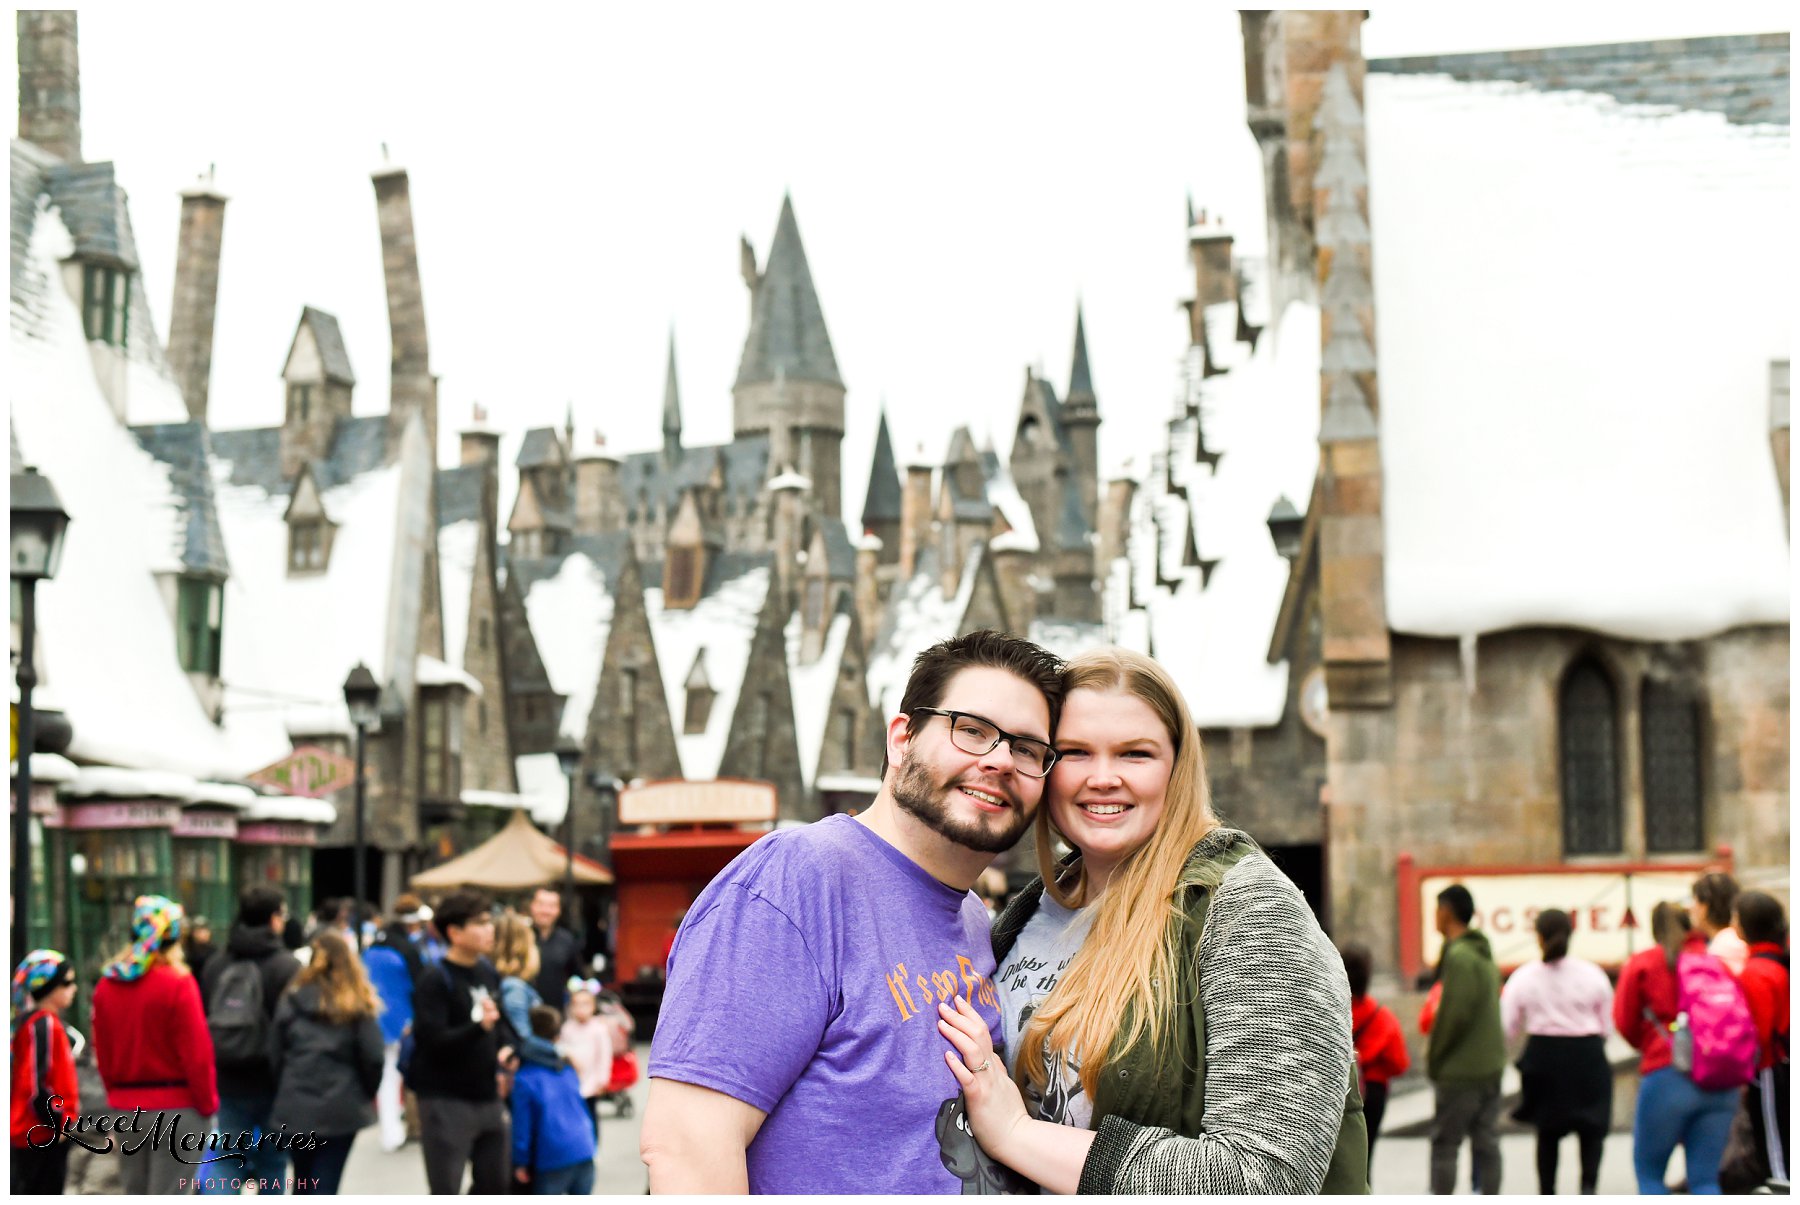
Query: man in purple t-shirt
{"points": [[798, 1048]]}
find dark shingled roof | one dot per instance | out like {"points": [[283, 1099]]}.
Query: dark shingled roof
{"points": [[1744, 77], [1079, 382], [334, 358], [357, 445], [542, 446], [840, 554], [606, 549], [787, 326], [721, 567], [1054, 409], [882, 504], [93, 208], [186, 450], [644, 475], [459, 494], [1072, 528]]}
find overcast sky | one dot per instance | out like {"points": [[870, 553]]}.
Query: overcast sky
{"points": [[580, 178]]}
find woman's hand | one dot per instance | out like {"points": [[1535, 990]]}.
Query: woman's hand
{"points": [[995, 1108]]}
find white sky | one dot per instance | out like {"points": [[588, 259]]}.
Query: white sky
{"points": [[580, 178]]}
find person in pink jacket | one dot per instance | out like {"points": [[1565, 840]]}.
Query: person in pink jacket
{"points": [[586, 1040]]}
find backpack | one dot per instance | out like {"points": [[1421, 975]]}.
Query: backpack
{"points": [[239, 1024], [1716, 1047]]}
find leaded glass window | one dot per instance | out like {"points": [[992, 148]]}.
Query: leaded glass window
{"points": [[1672, 800], [1588, 724]]}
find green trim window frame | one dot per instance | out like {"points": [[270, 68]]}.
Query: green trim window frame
{"points": [[288, 867], [106, 303], [200, 624], [121, 864], [440, 745], [203, 882]]}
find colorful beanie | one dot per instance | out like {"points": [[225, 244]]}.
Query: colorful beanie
{"points": [[155, 922], [41, 971]]}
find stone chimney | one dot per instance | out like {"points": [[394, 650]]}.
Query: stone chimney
{"points": [[1013, 560], [599, 498], [412, 390], [480, 442], [915, 514], [868, 588], [790, 490], [50, 82], [1115, 523], [196, 293], [1209, 248]]}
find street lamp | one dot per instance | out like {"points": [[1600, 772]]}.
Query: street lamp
{"points": [[568, 756], [1285, 527], [361, 695], [38, 525]]}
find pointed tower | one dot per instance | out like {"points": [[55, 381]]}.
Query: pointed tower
{"points": [[881, 506], [671, 427], [1081, 417], [787, 382]]}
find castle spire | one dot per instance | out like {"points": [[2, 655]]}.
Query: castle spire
{"points": [[671, 421], [1081, 386], [882, 503], [787, 325]]}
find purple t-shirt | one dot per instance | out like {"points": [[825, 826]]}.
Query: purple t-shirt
{"points": [[805, 982]]}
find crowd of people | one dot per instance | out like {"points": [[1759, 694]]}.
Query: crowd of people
{"points": [[286, 1042]]}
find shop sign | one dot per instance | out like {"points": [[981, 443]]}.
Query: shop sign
{"points": [[308, 771], [43, 801], [144, 814], [271, 832], [207, 824], [722, 801]]}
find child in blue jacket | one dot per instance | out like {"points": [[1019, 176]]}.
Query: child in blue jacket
{"points": [[553, 1146]]}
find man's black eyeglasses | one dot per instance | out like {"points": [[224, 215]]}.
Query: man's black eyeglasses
{"points": [[972, 734]]}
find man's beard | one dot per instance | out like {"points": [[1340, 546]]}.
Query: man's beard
{"points": [[916, 792]]}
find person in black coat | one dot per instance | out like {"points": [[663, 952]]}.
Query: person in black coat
{"points": [[559, 951], [326, 1051]]}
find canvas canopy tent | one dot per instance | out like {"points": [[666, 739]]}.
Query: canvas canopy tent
{"points": [[516, 857]]}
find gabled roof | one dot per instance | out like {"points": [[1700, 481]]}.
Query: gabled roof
{"points": [[882, 503], [185, 449], [1081, 385], [459, 494], [840, 554], [787, 326], [814, 685], [1744, 77], [919, 615], [334, 358], [569, 600], [648, 477], [722, 625], [93, 208], [542, 445], [358, 445]]}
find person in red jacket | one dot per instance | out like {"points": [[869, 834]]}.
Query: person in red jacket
{"points": [[1758, 1150], [44, 1087], [1380, 1046], [155, 1051], [1671, 1108]]}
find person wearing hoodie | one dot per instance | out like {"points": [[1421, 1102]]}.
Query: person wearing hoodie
{"points": [[553, 1148], [394, 966], [154, 1049], [45, 1092], [1380, 1046], [1467, 1049], [326, 1054], [240, 986]]}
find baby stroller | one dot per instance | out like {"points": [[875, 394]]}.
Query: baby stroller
{"points": [[624, 1063]]}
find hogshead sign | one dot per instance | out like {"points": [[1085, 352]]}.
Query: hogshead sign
{"points": [[309, 771]]}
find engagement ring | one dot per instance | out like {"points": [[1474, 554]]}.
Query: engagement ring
{"points": [[985, 1064]]}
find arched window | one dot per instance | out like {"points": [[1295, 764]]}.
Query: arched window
{"points": [[1588, 726], [1671, 729]]}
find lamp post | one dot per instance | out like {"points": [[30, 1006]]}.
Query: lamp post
{"points": [[38, 525], [568, 756], [361, 695]]}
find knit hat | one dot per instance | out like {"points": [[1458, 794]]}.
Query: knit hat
{"points": [[156, 922], [42, 972]]}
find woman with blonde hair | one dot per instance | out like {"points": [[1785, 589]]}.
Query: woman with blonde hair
{"points": [[326, 1052], [516, 958], [152, 1045], [1173, 1014]]}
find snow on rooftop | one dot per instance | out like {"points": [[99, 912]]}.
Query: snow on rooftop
{"points": [[289, 809], [432, 672], [790, 480], [570, 617], [813, 687], [151, 395], [1221, 320], [1263, 421], [542, 782], [1581, 438], [103, 620], [723, 625], [48, 767], [456, 577], [923, 615], [1004, 494], [1067, 637]]}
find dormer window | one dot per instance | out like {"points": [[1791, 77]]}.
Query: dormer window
{"points": [[700, 696], [309, 530], [306, 547], [106, 303], [200, 624], [681, 585]]}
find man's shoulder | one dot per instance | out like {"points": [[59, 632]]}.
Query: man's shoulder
{"points": [[801, 860]]}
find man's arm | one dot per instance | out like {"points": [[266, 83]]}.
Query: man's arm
{"points": [[694, 1139]]}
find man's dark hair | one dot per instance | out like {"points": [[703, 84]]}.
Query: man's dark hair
{"points": [[545, 888], [933, 669], [546, 1022], [1554, 928], [332, 912], [1357, 964], [1456, 897], [459, 908], [258, 904], [1761, 916], [1715, 892]]}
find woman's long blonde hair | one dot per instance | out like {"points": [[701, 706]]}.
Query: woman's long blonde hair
{"points": [[1115, 991], [345, 995], [515, 947]]}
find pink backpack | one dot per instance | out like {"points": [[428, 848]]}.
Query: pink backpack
{"points": [[1721, 1033]]}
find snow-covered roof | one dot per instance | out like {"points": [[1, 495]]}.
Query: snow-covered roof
{"points": [[118, 782], [1068, 637], [722, 625], [48, 767], [289, 809], [790, 480], [1004, 494], [456, 577], [813, 686], [103, 621], [1580, 437], [920, 615], [571, 613], [1262, 420], [545, 786], [432, 672]]}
